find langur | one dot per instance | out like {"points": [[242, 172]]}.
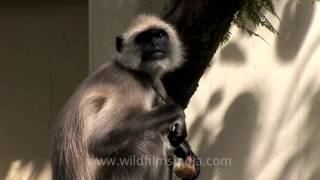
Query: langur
{"points": [[122, 111]]}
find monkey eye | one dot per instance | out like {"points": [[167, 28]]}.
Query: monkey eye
{"points": [[160, 34], [146, 36]]}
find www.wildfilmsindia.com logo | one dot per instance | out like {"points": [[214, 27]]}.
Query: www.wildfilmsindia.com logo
{"points": [[149, 160]]}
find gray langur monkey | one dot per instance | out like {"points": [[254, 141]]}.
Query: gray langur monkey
{"points": [[122, 112]]}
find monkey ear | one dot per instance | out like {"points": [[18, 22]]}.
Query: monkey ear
{"points": [[119, 43]]}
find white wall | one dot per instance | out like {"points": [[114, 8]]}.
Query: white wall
{"points": [[265, 114], [258, 104], [43, 57]]}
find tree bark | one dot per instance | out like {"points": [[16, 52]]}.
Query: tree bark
{"points": [[201, 25]]}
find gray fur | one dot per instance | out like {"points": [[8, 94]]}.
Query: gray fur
{"points": [[105, 101]]}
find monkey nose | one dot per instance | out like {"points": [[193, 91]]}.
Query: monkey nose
{"points": [[155, 44]]}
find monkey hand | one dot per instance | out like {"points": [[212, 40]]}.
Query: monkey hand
{"points": [[178, 132], [190, 168]]}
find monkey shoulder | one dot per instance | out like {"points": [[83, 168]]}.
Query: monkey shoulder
{"points": [[112, 87]]}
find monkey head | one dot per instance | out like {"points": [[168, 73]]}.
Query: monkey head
{"points": [[150, 45]]}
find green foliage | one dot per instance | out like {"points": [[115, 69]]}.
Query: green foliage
{"points": [[252, 12]]}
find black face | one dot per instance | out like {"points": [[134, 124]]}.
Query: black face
{"points": [[154, 44]]}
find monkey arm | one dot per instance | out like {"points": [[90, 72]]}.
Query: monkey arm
{"points": [[183, 150], [102, 143]]}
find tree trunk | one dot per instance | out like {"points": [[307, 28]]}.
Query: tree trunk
{"points": [[202, 25]]}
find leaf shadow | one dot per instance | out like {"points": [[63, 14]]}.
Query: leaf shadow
{"points": [[232, 54], [239, 122], [296, 20]]}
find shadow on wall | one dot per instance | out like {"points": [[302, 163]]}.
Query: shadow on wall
{"points": [[295, 22], [232, 54], [308, 155], [234, 140], [240, 128], [313, 126], [240, 120]]}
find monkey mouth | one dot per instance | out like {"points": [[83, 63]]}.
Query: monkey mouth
{"points": [[155, 55]]}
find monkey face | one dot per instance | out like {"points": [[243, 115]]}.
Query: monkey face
{"points": [[148, 50], [150, 45], [154, 44]]}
